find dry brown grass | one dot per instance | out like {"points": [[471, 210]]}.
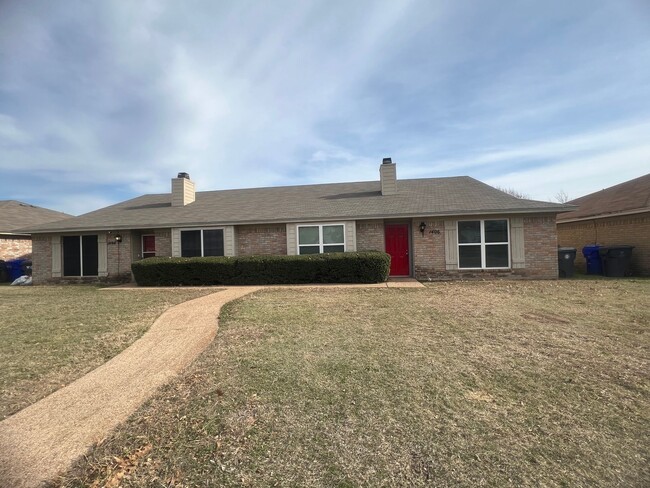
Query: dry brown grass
{"points": [[458, 384], [50, 336]]}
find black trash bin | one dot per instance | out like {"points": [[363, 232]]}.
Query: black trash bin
{"points": [[566, 257], [616, 260], [4, 274]]}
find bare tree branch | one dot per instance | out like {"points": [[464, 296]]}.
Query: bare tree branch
{"points": [[562, 196], [513, 192]]}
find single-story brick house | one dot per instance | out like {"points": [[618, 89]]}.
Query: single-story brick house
{"points": [[618, 215], [14, 215], [432, 228]]}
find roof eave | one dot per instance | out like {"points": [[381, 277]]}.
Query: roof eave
{"points": [[605, 216]]}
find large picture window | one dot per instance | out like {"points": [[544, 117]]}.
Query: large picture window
{"points": [[318, 239], [202, 242], [483, 244], [80, 255]]}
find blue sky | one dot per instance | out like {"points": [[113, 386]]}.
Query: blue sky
{"points": [[101, 101]]}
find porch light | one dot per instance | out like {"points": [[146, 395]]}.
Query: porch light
{"points": [[423, 226], [118, 238]]}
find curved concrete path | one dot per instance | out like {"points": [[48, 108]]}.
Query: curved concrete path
{"points": [[44, 439]]}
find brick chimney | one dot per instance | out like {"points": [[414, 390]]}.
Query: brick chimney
{"points": [[388, 177], [182, 190]]}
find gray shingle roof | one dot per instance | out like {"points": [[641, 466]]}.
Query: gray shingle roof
{"points": [[15, 215], [337, 201]]}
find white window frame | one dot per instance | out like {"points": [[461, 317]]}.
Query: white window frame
{"points": [[483, 244], [155, 251], [320, 236], [180, 238]]}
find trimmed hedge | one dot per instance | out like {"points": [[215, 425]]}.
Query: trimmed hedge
{"points": [[349, 267]]}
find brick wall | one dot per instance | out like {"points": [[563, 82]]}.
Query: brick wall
{"points": [[428, 249], [41, 259], [163, 242], [633, 230], [13, 247], [540, 246], [261, 239], [370, 235], [118, 256]]}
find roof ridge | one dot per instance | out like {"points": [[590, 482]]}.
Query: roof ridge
{"points": [[377, 182]]}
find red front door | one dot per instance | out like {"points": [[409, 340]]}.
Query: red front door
{"points": [[397, 245]]}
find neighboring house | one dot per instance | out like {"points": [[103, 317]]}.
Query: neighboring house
{"points": [[618, 215], [432, 228], [15, 215]]}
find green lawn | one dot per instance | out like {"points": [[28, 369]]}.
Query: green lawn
{"points": [[458, 384], [52, 335]]}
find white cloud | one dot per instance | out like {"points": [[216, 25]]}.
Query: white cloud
{"points": [[114, 99], [10, 133], [579, 176], [548, 151]]}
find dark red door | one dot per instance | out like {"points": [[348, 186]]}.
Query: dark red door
{"points": [[397, 245], [148, 246]]}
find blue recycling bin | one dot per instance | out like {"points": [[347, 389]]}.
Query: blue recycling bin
{"points": [[15, 269], [592, 256]]}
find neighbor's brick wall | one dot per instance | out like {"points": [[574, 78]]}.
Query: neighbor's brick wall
{"points": [[633, 230], [13, 247], [428, 249], [41, 259], [370, 235], [261, 239], [118, 256]]}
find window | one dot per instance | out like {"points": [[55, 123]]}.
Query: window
{"points": [[80, 255], [148, 246], [318, 239], [483, 244], [201, 242]]}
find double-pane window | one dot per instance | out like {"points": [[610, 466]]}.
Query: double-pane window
{"points": [[202, 242], [318, 239], [483, 244]]}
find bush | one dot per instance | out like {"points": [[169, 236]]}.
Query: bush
{"points": [[349, 267]]}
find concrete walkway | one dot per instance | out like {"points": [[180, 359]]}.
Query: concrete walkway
{"points": [[44, 439]]}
